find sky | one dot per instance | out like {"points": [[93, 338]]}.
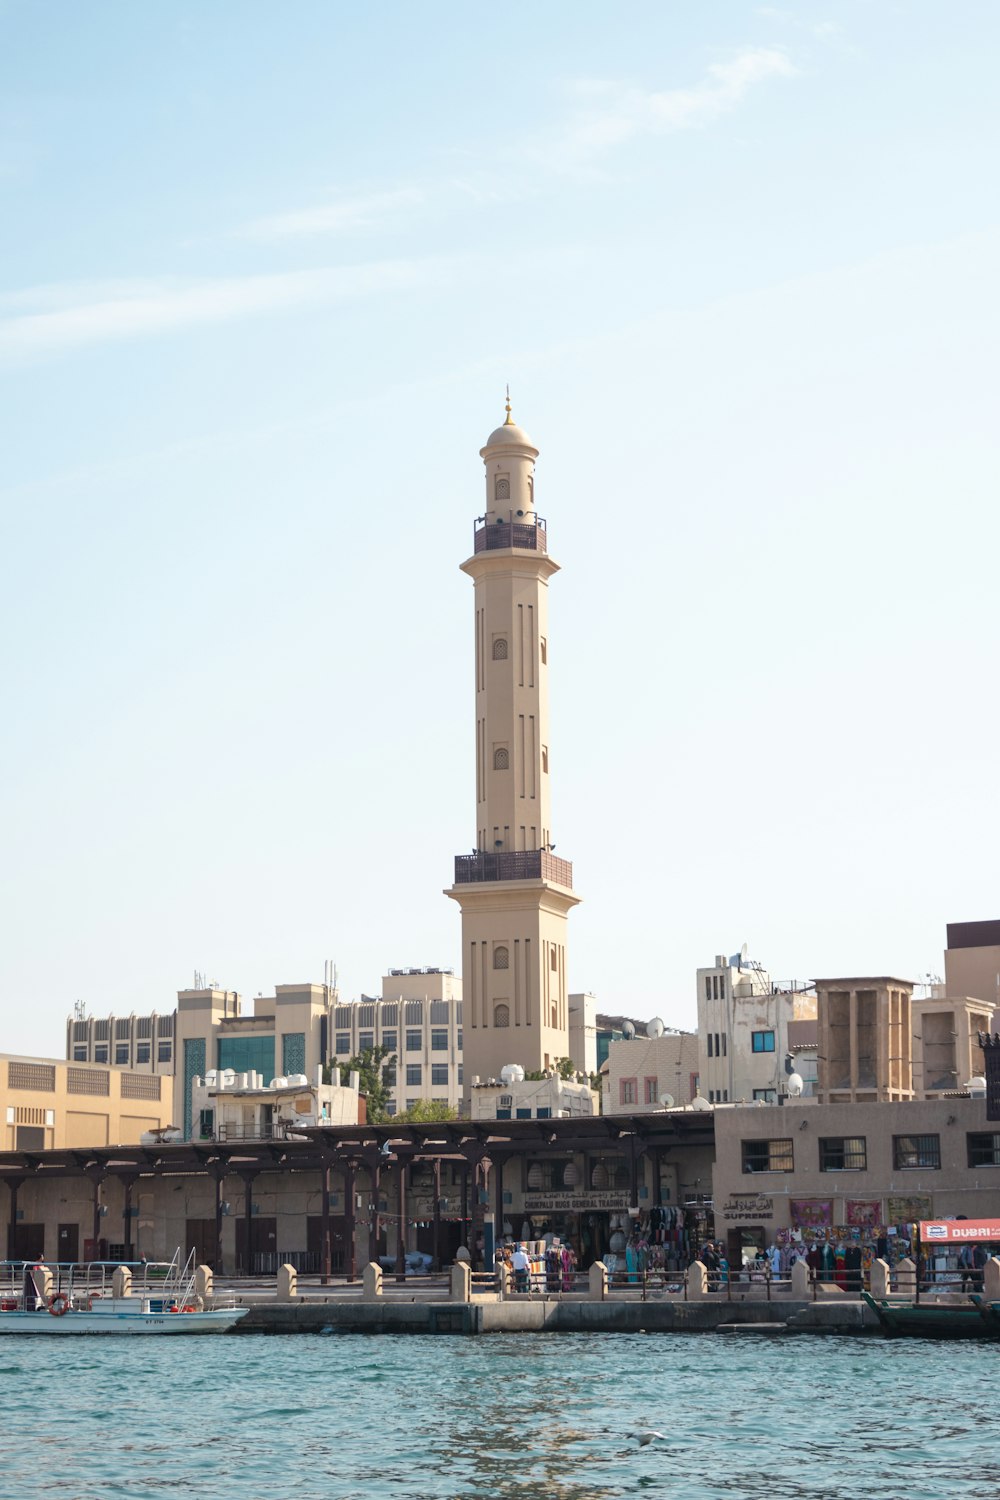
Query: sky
{"points": [[265, 272]]}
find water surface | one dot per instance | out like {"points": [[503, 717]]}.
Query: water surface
{"points": [[449, 1418]]}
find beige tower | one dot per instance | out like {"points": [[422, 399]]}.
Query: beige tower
{"points": [[514, 893]]}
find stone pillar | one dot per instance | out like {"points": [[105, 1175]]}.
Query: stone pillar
{"points": [[906, 1278], [597, 1278], [991, 1279], [800, 1280], [461, 1282], [350, 1227], [697, 1281], [371, 1282], [204, 1283], [880, 1279], [121, 1282], [287, 1288]]}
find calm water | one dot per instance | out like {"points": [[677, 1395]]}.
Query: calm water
{"points": [[422, 1418]]}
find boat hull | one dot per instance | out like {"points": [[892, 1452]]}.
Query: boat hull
{"points": [[169, 1325], [930, 1320]]}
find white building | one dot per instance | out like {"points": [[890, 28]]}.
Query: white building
{"points": [[583, 1033], [419, 1019], [643, 1072], [231, 1106], [517, 1098], [743, 1020]]}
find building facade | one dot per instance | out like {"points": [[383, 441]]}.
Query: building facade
{"points": [[50, 1104], [418, 1019], [865, 1040], [743, 1021], [638, 1072], [972, 961], [514, 892], [143, 1043]]}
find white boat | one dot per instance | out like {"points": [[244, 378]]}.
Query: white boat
{"points": [[165, 1303]]}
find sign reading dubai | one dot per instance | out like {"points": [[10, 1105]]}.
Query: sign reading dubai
{"points": [[948, 1231]]}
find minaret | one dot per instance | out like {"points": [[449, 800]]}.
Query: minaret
{"points": [[514, 892]]}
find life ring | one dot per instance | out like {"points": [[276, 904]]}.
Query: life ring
{"points": [[189, 1308], [8, 1305], [59, 1304]]}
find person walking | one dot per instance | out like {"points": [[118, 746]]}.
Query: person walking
{"points": [[522, 1268]]}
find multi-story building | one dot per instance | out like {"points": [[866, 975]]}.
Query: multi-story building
{"points": [[143, 1043], [514, 892], [865, 1040], [946, 1051], [743, 1020], [972, 961], [583, 1033], [51, 1104], [419, 1019]]}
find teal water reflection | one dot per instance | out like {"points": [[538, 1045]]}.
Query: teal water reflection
{"points": [[526, 1416]]}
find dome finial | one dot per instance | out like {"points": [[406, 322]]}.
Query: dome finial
{"points": [[510, 420]]}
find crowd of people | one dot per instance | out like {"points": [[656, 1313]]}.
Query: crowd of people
{"points": [[553, 1268]]}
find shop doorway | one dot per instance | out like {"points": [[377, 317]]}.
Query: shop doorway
{"points": [[201, 1239], [25, 1241], [263, 1260], [68, 1246], [742, 1247]]}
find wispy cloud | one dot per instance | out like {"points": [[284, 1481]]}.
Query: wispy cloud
{"points": [[339, 216], [123, 310], [611, 114]]}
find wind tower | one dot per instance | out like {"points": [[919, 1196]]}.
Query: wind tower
{"points": [[514, 892]]}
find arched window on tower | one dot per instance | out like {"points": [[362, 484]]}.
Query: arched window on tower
{"points": [[501, 760], [501, 958], [503, 490], [500, 649], [501, 1015]]}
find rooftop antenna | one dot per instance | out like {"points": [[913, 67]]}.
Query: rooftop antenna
{"points": [[80, 1010]]}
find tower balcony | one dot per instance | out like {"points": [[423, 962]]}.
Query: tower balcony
{"points": [[513, 864], [493, 536]]}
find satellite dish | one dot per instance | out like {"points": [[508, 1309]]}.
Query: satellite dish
{"points": [[628, 1031], [655, 1027], [795, 1084], [667, 1100], [743, 954], [699, 1102]]}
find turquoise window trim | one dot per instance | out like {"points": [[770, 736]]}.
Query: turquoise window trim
{"points": [[194, 1067], [247, 1054], [293, 1052]]}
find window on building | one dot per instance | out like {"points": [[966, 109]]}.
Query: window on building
{"points": [[501, 1015], [502, 1114], [390, 1107], [101, 1053], [414, 1075], [79, 1054], [543, 1112], [553, 958], [762, 1041], [768, 1156], [389, 1075], [710, 1043], [142, 1052], [501, 759], [414, 1041], [843, 1153], [766, 1096], [121, 1054], [523, 1112], [983, 1149], [164, 1051], [501, 957], [916, 1151], [342, 1042], [499, 649], [439, 1041], [439, 1075], [723, 1040], [206, 1124], [627, 1091], [389, 1040], [461, 1073], [651, 1091], [503, 488], [366, 1041], [247, 1054]]}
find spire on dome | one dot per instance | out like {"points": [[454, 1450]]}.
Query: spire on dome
{"points": [[510, 420]]}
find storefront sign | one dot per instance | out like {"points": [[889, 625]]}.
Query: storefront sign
{"points": [[811, 1213], [574, 1203], [947, 1231], [747, 1208]]}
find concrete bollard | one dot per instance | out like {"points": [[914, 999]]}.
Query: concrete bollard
{"points": [[697, 1281], [204, 1284], [880, 1278], [991, 1279], [461, 1282], [906, 1278], [121, 1282], [371, 1282], [800, 1280], [598, 1280], [288, 1284]]}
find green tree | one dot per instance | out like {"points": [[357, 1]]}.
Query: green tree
{"points": [[376, 1068], [424, 1111]]}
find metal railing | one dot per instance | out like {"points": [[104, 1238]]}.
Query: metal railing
{"points": [[493, 537], [513, 864]]}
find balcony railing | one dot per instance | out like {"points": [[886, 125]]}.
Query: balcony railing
{"points": [[514, 864], [269, 1130], [494, 535]]}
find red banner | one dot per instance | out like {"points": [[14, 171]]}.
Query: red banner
{"points": [[950, 1231]]}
